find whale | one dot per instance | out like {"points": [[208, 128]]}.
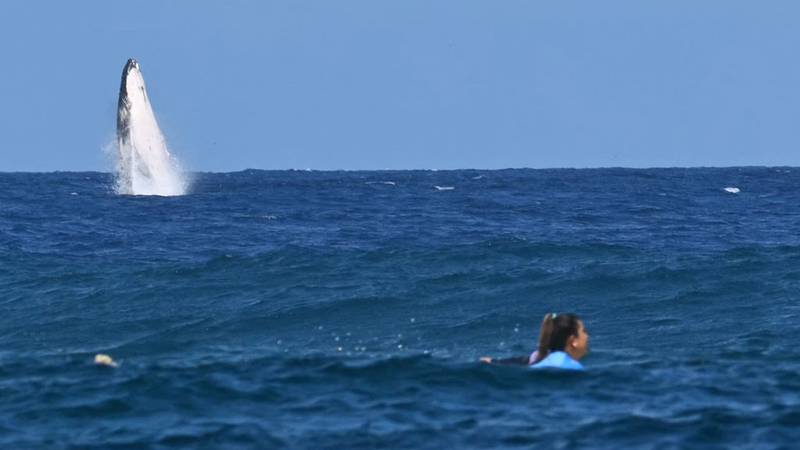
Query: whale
{"points": [[144, 165]]}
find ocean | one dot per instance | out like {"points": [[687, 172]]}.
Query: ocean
{"points": [[348, 310]]}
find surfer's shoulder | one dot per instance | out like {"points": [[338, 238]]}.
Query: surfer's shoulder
{"points": [[558, 360]]}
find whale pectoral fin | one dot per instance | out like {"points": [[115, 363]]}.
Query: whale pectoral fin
{"points": [[142, 166]]}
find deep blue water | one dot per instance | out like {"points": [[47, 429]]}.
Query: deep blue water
{"points": [[290, 309]]}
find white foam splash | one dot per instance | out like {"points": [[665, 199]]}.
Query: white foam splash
{"points": [[444, 188], [144, 165], [732, 190]]}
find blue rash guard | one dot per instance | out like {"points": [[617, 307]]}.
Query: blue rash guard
{"points": [[558, 360]]}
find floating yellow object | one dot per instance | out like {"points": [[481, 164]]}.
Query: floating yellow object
{"points": [[104, 360]]}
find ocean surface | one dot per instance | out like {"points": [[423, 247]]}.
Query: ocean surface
{"points": [[347, 310]]}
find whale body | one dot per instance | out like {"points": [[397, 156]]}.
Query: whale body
{"points": [[144, 165]]}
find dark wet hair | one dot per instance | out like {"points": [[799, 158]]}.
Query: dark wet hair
{"points": [[555, 332]]}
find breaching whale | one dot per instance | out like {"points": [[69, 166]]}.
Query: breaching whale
{"points": [[144, 166]]}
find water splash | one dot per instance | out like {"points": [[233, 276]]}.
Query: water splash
{"points": [[144, 165]]}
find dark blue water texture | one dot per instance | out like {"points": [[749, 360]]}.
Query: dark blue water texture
{"points": [[346, 310]]}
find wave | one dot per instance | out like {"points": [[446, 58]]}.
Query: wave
{"points": [[389, 400]]}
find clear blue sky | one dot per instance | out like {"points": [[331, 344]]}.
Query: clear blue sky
{"points": [[407, 83]]}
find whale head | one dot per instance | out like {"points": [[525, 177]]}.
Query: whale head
{"points": [[130, 65], [132, 84], [132, 79]]}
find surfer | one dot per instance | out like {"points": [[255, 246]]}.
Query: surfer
{"points": [[562, 342]]}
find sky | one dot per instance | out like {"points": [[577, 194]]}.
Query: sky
{"points": [[406, 84]]}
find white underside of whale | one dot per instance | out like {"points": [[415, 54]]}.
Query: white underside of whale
{"points": [[144, 165]]}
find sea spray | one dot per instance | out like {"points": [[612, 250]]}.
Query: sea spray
{"points": [[144, 165]]}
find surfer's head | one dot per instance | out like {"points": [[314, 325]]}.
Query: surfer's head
{"points": [[562, 332]]}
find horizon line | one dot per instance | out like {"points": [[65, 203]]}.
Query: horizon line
{"points": [[426, 169]]}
